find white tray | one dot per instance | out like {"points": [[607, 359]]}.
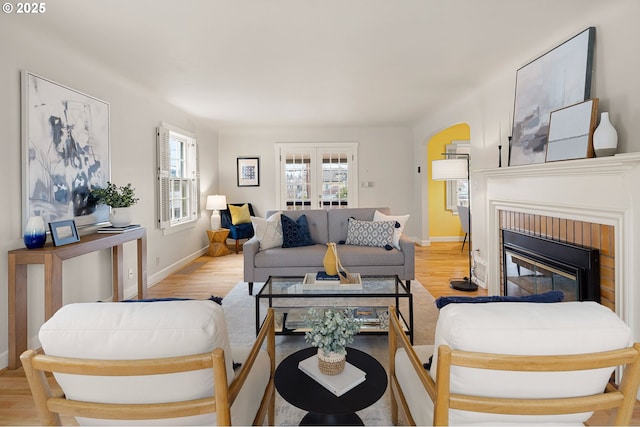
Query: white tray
{"points": [[310, 284]]}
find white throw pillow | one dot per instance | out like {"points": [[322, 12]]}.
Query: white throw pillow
{"points": [[268, 231], [397, 232]]}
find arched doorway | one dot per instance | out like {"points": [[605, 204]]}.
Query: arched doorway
{"points": [[444, 224]]}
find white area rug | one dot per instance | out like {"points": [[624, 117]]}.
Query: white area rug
{"points": [[239, 309]]}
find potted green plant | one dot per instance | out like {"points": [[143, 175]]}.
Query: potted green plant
{"points": [[120, 199], [331, 331]]}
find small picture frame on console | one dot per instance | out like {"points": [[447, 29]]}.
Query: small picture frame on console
{"points": [[64, 232]]}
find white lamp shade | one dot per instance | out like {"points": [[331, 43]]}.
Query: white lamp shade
{"points": [[216, 202], [449, 169]]}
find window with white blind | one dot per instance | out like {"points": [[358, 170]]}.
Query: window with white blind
{"points": [[178, 178], [317, 175]]}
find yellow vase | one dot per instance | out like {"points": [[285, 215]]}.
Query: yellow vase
{"points": [[330, 262]]}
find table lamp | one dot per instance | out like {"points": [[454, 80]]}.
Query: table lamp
{"points": [[215, 203]]}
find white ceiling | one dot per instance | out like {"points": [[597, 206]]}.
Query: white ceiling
{"points": [[310, 62]]}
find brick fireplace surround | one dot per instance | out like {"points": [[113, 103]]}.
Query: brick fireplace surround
{"points": [[590, 202], [587, 234]]}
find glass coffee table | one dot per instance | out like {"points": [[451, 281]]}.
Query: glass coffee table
{"points": [[291, 300]]}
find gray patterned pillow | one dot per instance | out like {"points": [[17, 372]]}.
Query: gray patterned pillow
{"points": [[370, 233]]}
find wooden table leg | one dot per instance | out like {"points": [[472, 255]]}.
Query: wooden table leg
{"points": [[17, 305], [52, 285], [117, 273], [142, 267]]}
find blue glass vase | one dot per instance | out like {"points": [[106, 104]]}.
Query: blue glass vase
{"points": [[34, 233]]}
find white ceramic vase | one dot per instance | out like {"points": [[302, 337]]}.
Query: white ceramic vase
{"points": [[605, 137], [120, 217]]}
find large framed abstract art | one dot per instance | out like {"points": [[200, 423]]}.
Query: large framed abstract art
{"points": [[557, 79], [65, 152]]}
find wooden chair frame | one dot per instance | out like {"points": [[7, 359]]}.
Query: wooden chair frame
{"points": [[622, 399], [50, 406]]}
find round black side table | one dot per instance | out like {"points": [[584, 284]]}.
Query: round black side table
{"points": [[324, 407]]}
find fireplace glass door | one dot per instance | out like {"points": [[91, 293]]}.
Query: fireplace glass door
{"points": [[525, 276]]}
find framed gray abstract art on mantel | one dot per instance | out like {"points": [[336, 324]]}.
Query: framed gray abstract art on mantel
{"points": [[65, 151], [557, 79]]}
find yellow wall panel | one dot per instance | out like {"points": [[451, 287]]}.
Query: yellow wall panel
{"points": [[442, 222]]}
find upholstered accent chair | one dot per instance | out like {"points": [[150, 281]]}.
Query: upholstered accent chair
{"points": [[161, 363], [515, 363], [237, 231]]}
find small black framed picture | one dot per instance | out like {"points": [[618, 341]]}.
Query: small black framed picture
{"points": [[64, 232], [248, 171]]}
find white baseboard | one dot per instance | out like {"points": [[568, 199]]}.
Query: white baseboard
{"points": [[132, 291], [447, 239]]}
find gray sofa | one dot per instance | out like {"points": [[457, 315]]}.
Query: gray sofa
{"points": [[328, 226]]}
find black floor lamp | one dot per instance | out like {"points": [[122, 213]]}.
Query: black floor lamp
{"points": [[453, 168]]}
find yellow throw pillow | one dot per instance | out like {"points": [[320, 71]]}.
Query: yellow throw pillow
{"points": [[240, 214]]}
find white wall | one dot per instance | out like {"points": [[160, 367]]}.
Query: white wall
{"points": [[487, 108], [135, 113], [383, 158]]}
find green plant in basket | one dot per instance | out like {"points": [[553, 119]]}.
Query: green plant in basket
{"points": [[114, 196], [331, 330]]}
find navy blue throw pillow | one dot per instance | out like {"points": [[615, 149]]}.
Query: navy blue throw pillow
{"points": [[217, 300], [295, 233], [157, 299], [427, 365], [547, 297]]}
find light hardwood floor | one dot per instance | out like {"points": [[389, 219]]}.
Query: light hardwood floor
{"points": [[435, 266]]}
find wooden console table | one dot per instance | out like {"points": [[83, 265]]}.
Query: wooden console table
{"points": [[51, 257]]}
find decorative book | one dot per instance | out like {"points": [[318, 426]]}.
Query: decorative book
{"points": [[322, 276], [112, 229], [339, 384]]}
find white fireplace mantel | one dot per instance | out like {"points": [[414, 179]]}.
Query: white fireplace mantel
{"points": [[602, 190], [605, 165]]}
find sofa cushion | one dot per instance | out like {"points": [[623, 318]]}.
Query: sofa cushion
{"points": [[401, 221], [528, 329], [370, 233], [137, 331], [240, 214], [351, 255], [305, 256], [268, 231], [295, 233]]}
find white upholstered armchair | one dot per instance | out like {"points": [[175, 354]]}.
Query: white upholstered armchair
{"points": [[141, 363], [515, 364]]}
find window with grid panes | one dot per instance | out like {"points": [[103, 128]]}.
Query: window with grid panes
{"points": [[178, 177]]}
